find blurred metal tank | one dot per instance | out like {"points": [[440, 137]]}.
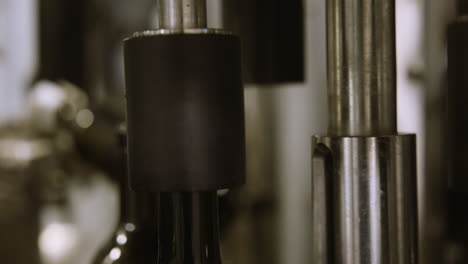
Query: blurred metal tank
{"points": [[20, 178]]}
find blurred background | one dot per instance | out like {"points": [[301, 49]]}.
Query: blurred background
{"points": [[62, 101]]}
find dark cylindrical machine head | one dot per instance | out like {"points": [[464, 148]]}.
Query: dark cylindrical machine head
{"points": [[185, 112], [462, 7], [457, 102]]}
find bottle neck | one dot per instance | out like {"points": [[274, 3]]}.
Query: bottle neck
{"points": [[138, 209], [188, 228]]}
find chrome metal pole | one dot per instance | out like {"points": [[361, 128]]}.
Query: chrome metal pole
{"points": [[178, 15], [170, 14], [364, 200], [194, 13], [361, 67], [364, 172]]}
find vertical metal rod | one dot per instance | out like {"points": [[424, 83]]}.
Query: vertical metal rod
{"points": [[170, 14], [182, 14], [369, 192], [194, 13], [361, 67]]}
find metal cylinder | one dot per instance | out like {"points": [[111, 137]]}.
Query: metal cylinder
{"points": [[361, 67], [170, 14], [364, 193], [182, 14], [364, 173], [194, 13]]}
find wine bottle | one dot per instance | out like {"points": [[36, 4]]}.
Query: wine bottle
{"points": [[169, 228], [135, 239], [163, 227], [188, 228]]}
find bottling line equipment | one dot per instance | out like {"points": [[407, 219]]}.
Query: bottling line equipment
{"points": [[200, 125], [185, 120]]}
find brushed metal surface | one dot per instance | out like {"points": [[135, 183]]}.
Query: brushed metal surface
{"points": [[181, 14], [361, 67], [365, 199]]}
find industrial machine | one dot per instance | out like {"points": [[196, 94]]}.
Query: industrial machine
{"points": [[207, 136]]}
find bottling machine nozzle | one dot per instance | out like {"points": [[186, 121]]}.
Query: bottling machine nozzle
{"points": [[185, 103], [185, 113]]}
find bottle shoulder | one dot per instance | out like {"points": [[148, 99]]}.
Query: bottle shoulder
{"points": [[130, 245]]}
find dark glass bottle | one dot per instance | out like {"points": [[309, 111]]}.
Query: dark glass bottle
{"points": [[164, 228], [172, 228], [135, 240], [188, 228]]}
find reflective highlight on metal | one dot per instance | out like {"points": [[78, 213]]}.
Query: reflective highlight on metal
{"points": [[364, 192], [321, 214], [178, 15], [361, 67], [194, 31], [170, 14], [194, 13]]}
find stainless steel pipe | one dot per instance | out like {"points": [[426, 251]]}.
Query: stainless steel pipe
{"points": [[364, 197], [364, 172], [361, 67], [194, 13], [178, 15]]}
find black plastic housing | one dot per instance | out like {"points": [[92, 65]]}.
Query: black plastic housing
{"points": [[272, 34], [185, 112], [457, 44]]}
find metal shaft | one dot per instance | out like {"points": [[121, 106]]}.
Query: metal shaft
{"points": [[364, 172], [361, 67], [181, 14], [364, 193]]}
